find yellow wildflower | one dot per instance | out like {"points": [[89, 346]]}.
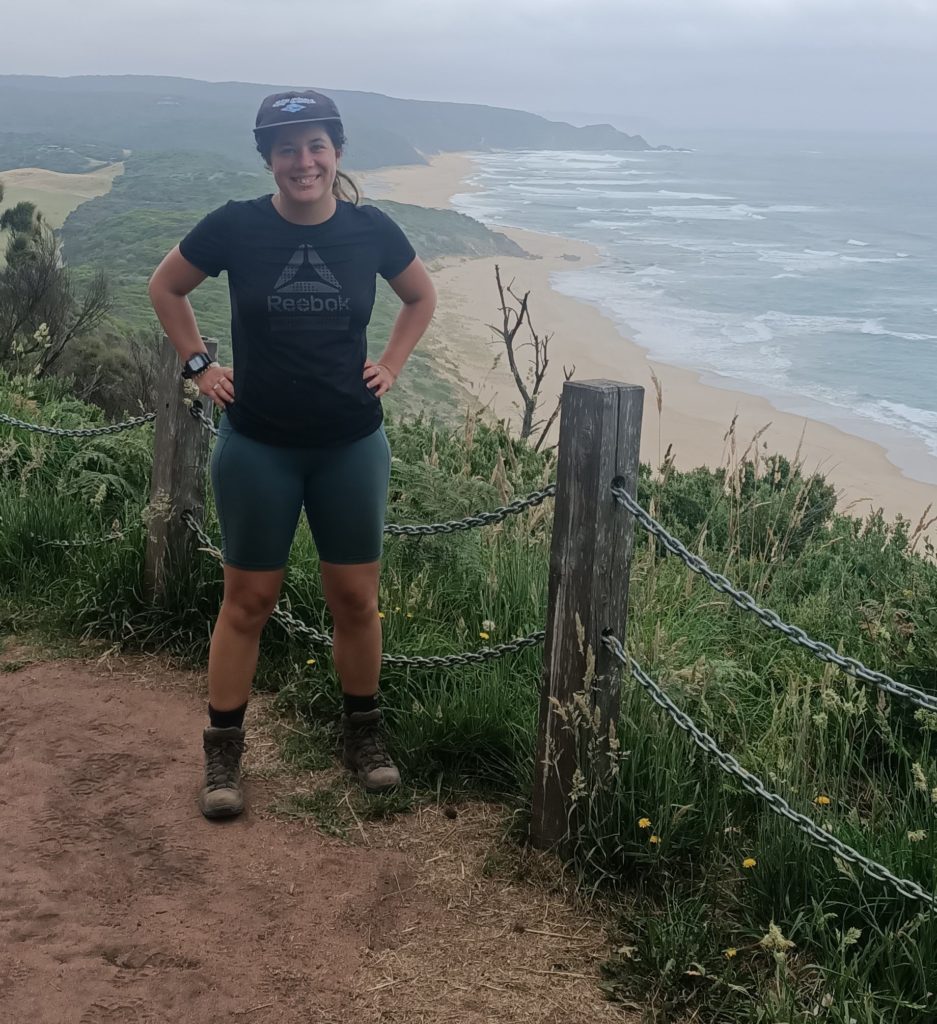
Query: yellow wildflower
{"points": [[731, 952], [654, 840], [644, 822], [749, 862], [310, 661], [380, 615], [823, 801], [483, 635]]}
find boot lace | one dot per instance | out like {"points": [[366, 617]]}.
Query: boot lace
{"points": [[223, 762], [370, 749]]}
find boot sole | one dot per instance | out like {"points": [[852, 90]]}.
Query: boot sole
{"points": [[227, 812], [369, 789]]}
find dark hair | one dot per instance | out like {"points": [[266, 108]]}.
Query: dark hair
{"points": [[343, 187]]}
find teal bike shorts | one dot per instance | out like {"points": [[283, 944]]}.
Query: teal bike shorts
{"points": [[260, 490]]}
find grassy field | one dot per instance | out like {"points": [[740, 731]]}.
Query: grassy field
{"points": [[55, 194], [726, 913]]}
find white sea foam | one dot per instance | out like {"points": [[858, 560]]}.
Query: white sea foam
{"points": [[872, 259], [691, 243], [707, 212]]}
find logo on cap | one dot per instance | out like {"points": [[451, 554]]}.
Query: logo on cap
{"points": [[294, 104]]}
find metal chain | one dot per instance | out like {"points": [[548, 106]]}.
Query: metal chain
{"points": [[755, 786], [198, 413], [480, 519], [113, 428], [299, 628], [452, 526], [82, 543], [771, 618], [468, 657]]}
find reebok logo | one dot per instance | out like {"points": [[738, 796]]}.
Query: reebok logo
{"points": [[316, 288]]}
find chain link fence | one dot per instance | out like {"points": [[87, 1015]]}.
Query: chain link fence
{"points": [[771, 618], [111, 428], [198, 413], [755, 786], [498, 515], [299, 628], [82, 542]]}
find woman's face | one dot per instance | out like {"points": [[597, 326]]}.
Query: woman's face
{"points": [[304, 163]]}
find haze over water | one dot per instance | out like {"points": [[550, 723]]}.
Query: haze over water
{"points": [[798, 267]]}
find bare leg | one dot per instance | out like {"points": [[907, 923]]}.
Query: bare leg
{"points": [[249, 598], [351, 594]]}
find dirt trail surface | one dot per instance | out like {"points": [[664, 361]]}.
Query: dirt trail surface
{"points": [[119, 904]]}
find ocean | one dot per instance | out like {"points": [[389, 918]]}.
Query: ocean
{"points": [[800, 268]]}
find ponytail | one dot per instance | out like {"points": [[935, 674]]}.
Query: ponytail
{"points": [[344, 188]]}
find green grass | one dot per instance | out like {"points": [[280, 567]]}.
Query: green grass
{"points": [[861, 952]]}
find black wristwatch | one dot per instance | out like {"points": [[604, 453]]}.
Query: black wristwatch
{"points": [[196, 365]]}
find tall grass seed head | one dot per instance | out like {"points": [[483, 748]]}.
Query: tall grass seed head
{"points": [[774, 940]]}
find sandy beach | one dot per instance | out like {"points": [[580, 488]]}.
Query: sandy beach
{"points": [[694, 416]]}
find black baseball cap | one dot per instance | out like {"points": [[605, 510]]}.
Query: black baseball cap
{"points": [[298, 107]]}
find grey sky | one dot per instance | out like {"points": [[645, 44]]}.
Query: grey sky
{"points": [[812, 64]]}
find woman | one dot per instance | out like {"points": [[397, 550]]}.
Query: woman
{"points": [[302, 416]]}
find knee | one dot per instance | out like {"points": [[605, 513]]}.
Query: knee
{"points": [[352, 607], [247, 611]]}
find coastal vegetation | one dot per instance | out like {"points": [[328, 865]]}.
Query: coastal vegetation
{"points": [[86, 119], [719, 909]]}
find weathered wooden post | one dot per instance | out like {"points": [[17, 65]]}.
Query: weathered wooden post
{"points": [[590, 558], [177, 480]]}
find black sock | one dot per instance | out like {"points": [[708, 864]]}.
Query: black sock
{"points": [[227, 719], [354, 703]]}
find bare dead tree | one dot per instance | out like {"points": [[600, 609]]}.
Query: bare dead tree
{"points": [[515, 316]]}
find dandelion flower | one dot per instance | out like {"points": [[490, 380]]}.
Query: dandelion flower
{"points": [[749, 862], [484, 635], [310, 661], [644, 822], [823, 800], [654, 840], [731, 952], [380, 615]]}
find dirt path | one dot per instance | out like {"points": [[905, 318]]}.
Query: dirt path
{"points": [[119, 904]]}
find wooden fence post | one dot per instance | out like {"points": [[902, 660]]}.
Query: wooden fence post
{"points": [[590, 559], [177, 480]]}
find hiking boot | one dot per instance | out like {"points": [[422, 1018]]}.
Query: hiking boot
{"points": [[221, 795], [366, 752]]}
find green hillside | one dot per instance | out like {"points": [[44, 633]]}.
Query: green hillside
{"points": [[92, 117], [160, 196]]}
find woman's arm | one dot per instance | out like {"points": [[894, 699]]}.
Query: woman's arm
{"points": [[418, 296], [169, 287]]}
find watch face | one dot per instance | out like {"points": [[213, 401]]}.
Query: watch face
{"points": [[194, 364]]}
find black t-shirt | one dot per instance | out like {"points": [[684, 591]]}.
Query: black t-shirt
{"points": [[301, 299]]}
